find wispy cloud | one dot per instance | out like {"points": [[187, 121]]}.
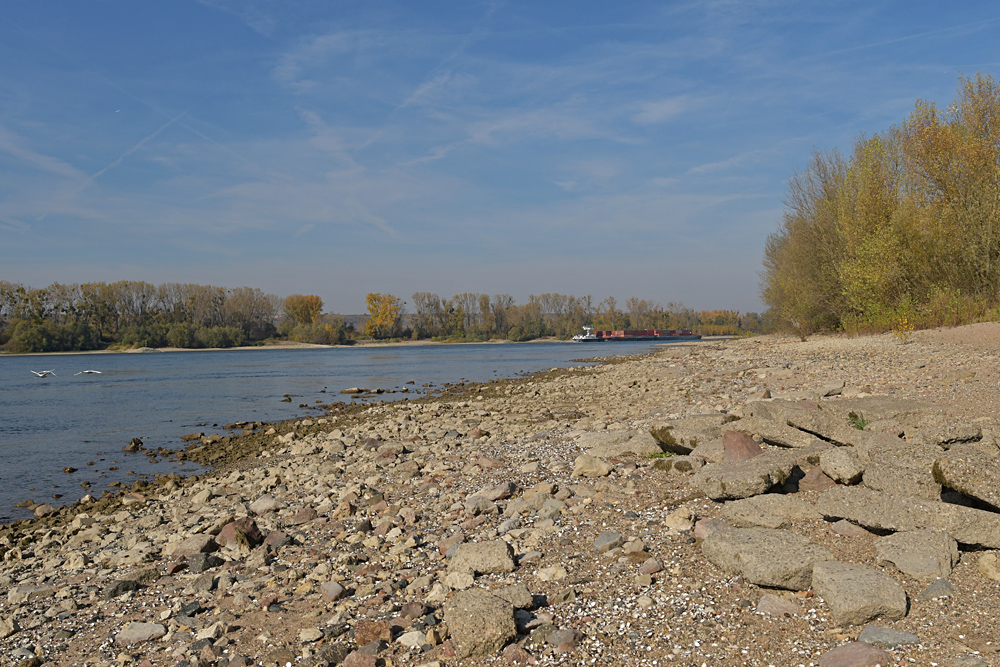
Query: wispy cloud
{"points": [[19, 148]]}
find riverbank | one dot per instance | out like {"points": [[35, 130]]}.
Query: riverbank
{"points": [[411, 532]]}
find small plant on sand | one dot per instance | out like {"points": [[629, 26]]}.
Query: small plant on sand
{"points": [[857, 421], [903, 330], [660, 455]]}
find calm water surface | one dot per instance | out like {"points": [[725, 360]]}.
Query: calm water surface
{"points": [[72, 420]]}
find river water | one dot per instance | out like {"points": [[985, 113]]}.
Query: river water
{"points": [[71, 420]]}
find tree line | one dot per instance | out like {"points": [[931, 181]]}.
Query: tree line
{"points": [[903, 231], [126, 313]]}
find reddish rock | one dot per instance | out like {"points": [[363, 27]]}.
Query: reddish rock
{"points": [[815, 480], [368, 631], [246, 527], [739, 447], [516, 655], [356, 659], [303, 516], [176, 566], [855, 654], [413, 609]]}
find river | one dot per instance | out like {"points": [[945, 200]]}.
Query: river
{"points": [[71, 420]]}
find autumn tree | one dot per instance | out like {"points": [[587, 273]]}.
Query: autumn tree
{"points": [[303, 308], [385, 312]]}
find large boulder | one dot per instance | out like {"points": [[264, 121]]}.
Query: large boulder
{"points": [[899, 478], [773, 432], [766, 557], [723, 481], [480, 624], [971, 471], [857, 594], [841, 464], [607, 444], [922, 554], [881, 511]]}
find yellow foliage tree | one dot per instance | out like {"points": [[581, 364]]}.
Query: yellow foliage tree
{"points": [[384, 314], [303, 308]]}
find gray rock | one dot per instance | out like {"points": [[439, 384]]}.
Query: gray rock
{"points": [[480, 624], [841, 464], [476, 505], [766, 557], [519, 506], [607, 541], [265, 504], [29, 593], [723, 481], [134, 633], [873, 509], [710, 450], [195, 544], [483, 558], [886, 637], [948, 434], [332, 591], [971, 471], [921, 554], [855, 654], [589, 466], [769, 510], [939, 588], [117, 588], [202, 562], [8, 627], [848, 529], [969, 661], [857, 594]]}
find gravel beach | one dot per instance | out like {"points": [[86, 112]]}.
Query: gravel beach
{"points": [[758, 501]]}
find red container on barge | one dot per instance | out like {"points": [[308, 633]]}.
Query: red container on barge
{"points": [[589, 335]]}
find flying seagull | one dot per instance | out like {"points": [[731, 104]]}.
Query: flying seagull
{"points": [[88, 373], [42, 374]]}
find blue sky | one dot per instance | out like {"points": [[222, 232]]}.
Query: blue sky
{"points": [[337, 148]]}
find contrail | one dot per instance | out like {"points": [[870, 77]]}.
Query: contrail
{"points": [[139, 145]]}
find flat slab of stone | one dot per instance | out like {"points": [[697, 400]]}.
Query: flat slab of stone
{"points": [[590, 466], [971, 471], [842, 464], [773, 605], [766, 557], [724, 481], [922, 554], [480, 624], [882, 511], [939, 588], [857, 594], [876, 635], [607, 541], [483, 558], [769, 510], [616, 443], [774, 432], [134, 633], [855, 654], [895, 478]]}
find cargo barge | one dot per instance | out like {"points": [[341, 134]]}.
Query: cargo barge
{"points": [[624, 335]]}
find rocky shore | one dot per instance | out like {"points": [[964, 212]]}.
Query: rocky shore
{"points": [[757, 502]]}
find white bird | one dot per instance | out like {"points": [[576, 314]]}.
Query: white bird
{"points": [[42, 374], [88, 373]]}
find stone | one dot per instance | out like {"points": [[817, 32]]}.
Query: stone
{"points": [[969, 661], [606, 444], [769, 510], [774, 433], [202, 562], [359, 659], [939, 588], [855, 654], [458, 580], [815, 480], [310, 635], [857, 594], [413, 639], [607, 541], [589, 466], [766, 557], [970, 471], [922, 554], [738, 446], [886, 637], [724, 481], [135, 633], [551, 573], [483, 558], [880, 511], [848, 529], [989, 566], [517, 595], [117, 588], [679, 521], [773, 605], [194, 545], [480, 624], [367, 631], [8, 627], [517, 655], [302, 517], [28, 593], [842, 464], [893, 478], [332, 591], [265, 504]]}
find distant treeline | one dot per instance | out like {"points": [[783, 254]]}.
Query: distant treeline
{"points": [[137, 314], [130, 313], [903, 232]]}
